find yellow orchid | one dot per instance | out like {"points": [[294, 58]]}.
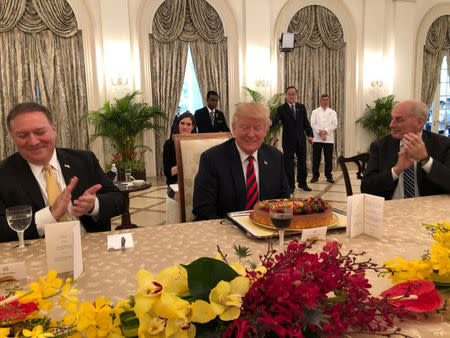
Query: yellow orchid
{"points": [[148, 293], [226, 297], [440, 258], [95, 321], [4, 332], [408, 270], [71, 316], [174, 280], [67, 296], [151, 326], [38, 332]]}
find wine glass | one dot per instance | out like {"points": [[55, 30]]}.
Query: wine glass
{"points": [[19, 219], [281, 216]]}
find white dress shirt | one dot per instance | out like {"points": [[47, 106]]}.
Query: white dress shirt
{"points": [[324, 119], [399, 192], [44, 216], [244, 163]]}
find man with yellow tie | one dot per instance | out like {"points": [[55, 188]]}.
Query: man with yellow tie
{"points": [[60, 184]]}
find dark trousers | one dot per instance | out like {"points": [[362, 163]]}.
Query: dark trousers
{"points": [[327, 153], [288, 155]]}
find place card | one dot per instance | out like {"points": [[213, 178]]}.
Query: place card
{"points": [[120, 241], [314, 232], [365, 215], [63, 244], [12, 271]]}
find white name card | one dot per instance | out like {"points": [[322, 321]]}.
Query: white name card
{"points": [[314, 232], [12, 271], [365, 215], [63, 244], [120, 241]]}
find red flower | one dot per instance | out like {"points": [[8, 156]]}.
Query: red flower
{"points": [[116, 156], [127, 152], [14, 311], [428, 298]]}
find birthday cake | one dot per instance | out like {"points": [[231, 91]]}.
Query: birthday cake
{"points": [[309, 212]]}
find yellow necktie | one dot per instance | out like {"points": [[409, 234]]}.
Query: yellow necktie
{"points": [[53, 189]]}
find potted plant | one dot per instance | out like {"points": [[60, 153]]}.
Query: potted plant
{"points": [[378, 117], [122, 123], [273, 103]]}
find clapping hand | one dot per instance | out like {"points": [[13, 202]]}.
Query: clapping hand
{"points": [[403, 162], [85, 203], [414, 146], [59, 208]]}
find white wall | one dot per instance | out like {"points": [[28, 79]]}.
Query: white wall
{"points": [[381, 36]]}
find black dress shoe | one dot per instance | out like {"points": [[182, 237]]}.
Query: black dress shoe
{"points": [[330, 180], [304, 187], [313, 180]]}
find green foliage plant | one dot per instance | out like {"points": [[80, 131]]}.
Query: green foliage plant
{"points": [[377, 117], [121, 124], [273, 103]]}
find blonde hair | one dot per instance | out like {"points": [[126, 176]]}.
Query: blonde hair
{"points": [[253, 110]]}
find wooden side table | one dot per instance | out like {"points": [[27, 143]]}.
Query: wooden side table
{"points": [[126, 189]]}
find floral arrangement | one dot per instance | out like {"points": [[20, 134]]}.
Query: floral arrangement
{"points": [[293, 293], [434, 265]]}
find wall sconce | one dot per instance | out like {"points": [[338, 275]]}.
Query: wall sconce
{"points": [[119, 80], [262, 83], [376, 84]]}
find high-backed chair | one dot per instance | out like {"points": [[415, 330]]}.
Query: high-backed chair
{"points": [[188, 148], [361, 161]]}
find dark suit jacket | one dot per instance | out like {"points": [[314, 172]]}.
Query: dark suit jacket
{"points": [[169, 161], [378, 180], [203, 121], [18, 186], [293, 129], [219, 186]]}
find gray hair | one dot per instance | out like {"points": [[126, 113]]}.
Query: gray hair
{"points": [[253, 110]]}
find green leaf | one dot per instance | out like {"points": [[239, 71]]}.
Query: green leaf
{"points": [[204, 274], [130, 323]]}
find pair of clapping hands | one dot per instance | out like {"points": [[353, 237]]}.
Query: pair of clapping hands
{"points": [[413, 150], [81, 206]]}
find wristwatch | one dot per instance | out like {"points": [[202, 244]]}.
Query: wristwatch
{"points": [[424, 161]]}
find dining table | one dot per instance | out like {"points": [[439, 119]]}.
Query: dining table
{"points": [[113, 273]]}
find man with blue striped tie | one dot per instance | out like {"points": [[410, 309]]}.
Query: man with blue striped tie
{"points": [[411, 161]]}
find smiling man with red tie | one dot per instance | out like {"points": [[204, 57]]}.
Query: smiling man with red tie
{"points": [[234, 175]]}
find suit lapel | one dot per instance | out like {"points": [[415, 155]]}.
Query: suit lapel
{"points": [[264, 172], [28, 181], [66, 166], [238, 176]]}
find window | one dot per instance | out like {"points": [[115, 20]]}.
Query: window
{"points": [[439, 119], [190, 99]]}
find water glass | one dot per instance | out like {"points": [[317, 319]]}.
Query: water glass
{"points": [[127, 175], [19, 219]]}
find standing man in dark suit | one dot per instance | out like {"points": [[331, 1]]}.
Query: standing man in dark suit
{"points": [[295, 122], [209, 119], [411, 161], [79, 187], [235, 174]]}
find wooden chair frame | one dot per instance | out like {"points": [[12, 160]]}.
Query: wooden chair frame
{"points": [[177, 137], [361, 162]]}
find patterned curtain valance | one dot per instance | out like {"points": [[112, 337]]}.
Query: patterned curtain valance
{"points": [[438, 37], [315, 26], [34, 16], [188, 20]]}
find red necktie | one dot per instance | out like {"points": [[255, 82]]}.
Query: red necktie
{"points": [[252, 187]]}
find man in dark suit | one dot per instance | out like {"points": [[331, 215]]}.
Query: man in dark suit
{"points": [[295, 122], [411, 161], [209, 119], [228, 180], [83, 191]]}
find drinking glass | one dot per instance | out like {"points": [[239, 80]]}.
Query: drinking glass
{"points": [[127, 175], [281, 216], [19, 219]]}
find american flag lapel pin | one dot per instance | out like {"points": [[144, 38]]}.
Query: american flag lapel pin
{"points": [[66, 166], [265, 163]]}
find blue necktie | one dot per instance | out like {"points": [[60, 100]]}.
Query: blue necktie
{"points": [[408, 182], [211, 116]]}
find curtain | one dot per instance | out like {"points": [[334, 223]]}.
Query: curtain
{"points": [[317, 64], [41, 47], [177, 24], [167, 73], [436, 46]]}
